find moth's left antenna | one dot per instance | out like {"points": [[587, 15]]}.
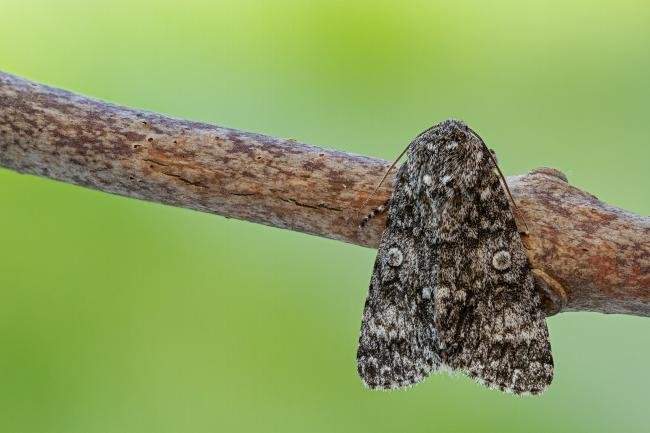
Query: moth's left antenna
{"points": [[365, 202]]}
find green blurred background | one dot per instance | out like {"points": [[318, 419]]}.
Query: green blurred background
{"points": [[124, 316]]}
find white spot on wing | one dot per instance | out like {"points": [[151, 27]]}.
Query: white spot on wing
{"points": [[394, 257], [501, 260]]}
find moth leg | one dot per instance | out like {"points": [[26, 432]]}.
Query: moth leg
{"points": [[375, 212]]}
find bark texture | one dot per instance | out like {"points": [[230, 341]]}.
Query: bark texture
{"points": [[586, 255]]}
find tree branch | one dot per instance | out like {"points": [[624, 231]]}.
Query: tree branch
{"points": [[587, 255]]}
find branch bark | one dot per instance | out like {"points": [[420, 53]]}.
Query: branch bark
{"points": [[586, 255]]}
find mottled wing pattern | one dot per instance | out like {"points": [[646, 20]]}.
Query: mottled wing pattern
{"points": [[452, 286], [488, 316], [397, 343]]}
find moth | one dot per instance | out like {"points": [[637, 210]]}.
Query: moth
{"points": [[452, 287]]}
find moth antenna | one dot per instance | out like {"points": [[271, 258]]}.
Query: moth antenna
{"points": [[365, 202], [503, 179]]}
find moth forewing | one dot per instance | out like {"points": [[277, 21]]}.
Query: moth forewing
{"points": [[461, 295]]}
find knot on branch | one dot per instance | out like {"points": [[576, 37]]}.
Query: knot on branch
{"points": [[553, 296]]}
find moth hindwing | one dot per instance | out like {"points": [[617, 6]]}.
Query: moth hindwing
{"points": [[452, 287]]}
